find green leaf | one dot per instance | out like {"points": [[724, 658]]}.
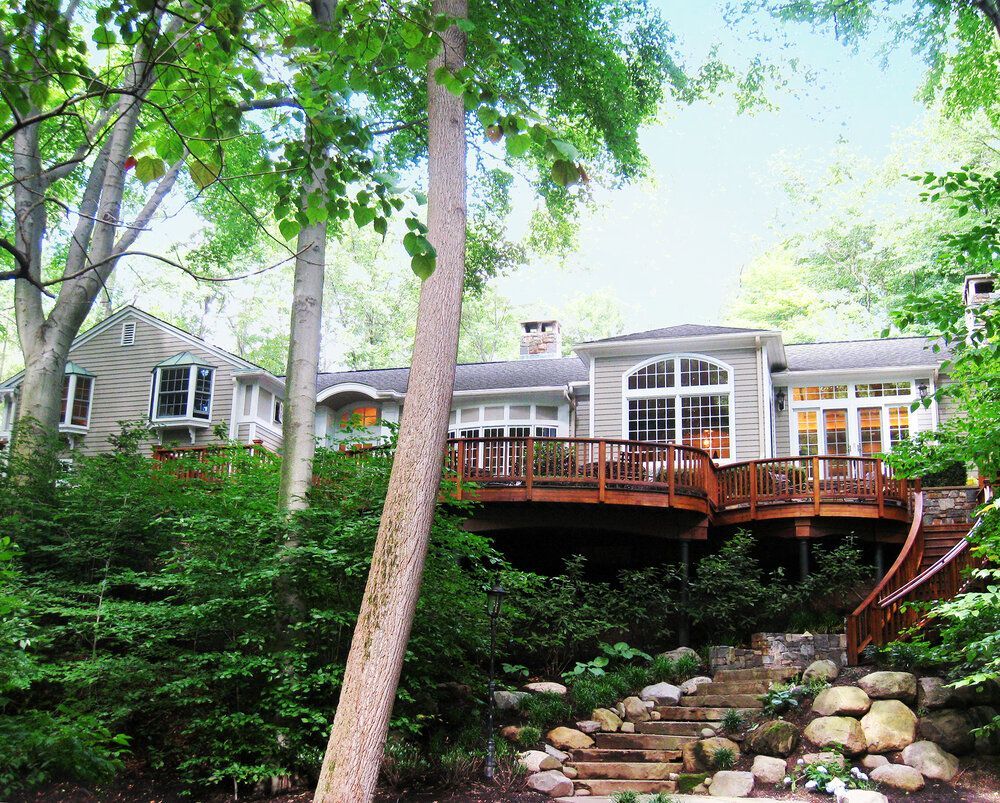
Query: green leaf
{"points": [[381, 225], [149, 168], [518, 144], [423, 265], [564, 173], [288, 228], [203, 173], [363, 215]]}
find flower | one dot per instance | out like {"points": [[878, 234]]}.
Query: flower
{"points": [[801, 761], [834, 785], [788, 781], [822, 769], [810, 785]]}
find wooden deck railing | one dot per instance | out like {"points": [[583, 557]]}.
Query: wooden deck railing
{"points": [[208, 461]]}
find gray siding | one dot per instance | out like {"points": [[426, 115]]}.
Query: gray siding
{"points": [[782, 436], [582, 419], [122, 386], [607, 397]]}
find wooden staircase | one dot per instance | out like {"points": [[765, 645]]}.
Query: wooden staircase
{"points": [[932, 565], [644, 761]]}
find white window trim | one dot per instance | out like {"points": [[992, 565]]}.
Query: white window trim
{"points": [[852, 404], [128, 326], [188, 419], [64, 424], [560, 423], [677, 391]]}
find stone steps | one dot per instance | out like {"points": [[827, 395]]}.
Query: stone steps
{"points": [[640, 741], [625, 770], [610, 787], [677, 728], [706, 714], [627, 755], [731, 687], [725, 701], [776, 674]]}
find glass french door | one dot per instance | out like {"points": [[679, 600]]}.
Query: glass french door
{"points": [[836, 439], [870, 431]]}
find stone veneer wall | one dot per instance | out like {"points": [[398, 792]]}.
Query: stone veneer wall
{"points": [[950, 505], [781, 649]]}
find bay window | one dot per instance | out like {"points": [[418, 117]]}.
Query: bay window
{"points": [[680, 399], [77, 395], [182, 390]]}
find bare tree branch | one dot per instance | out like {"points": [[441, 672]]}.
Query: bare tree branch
{"points": [[149, 208]]}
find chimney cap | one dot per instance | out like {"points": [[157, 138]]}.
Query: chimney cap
{"points": [[552, 323]]}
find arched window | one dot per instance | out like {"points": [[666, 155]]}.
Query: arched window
{"points": [[681, 398]]}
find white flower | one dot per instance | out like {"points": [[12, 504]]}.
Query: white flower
{"points": [[801, 761], [788, 781], [863, 776], [834, 785], [824, 770], [810, 785]]}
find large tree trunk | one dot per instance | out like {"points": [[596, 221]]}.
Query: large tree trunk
{"points": [[354, 753]]}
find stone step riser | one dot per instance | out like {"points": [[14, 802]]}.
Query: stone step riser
{"points": [[758, 673], [694, 714], [632, 756], [723, 701], [676, 728], [610, 787], [731, 687], [640, 741], [624, 771]]}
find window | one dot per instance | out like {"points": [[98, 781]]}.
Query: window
{"points": [[808, 428], [817, 392], [77, 393], [899, 425], [540, 432], [128, 333], [835, 424], [870, 430], [877, 389], [359, 418], [182, 389], [685, 399], [277, 411]]}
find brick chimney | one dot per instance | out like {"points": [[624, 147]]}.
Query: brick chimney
{"points": [[540, 339], [979, 290]]}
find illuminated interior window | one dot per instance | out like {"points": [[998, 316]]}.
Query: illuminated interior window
{"points": [[835, 426], [359, 417], [899, 425], [870, 430], [817, 392], [877, 389], [808, 425]]}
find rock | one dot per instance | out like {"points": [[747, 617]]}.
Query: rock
{"points": [[986, 744], [635, 710], [583, 793], [874, 760], [830, 731], [768, 770], [537, 761], [588, 726], [628, 727], [890, 686], [949, 728], [826, 757], [846, 700], [620, 709], [662, 694], [825, 670], [731, 784], [509, 700], [707, 733], [510, 733], [861, 796], [690, 686], [898, 776], [552, 783], [569, 772], [558, 755], [775, 738], [889, 725], [607, 719], [545, 687], [655, 716], [681, 652], [932, 694], [931, 761], [705, 750], [568, 738]]}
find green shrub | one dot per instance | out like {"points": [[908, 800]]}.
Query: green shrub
{"points": [[723, 759], [546, 710], [529, 736], [954, 473]]}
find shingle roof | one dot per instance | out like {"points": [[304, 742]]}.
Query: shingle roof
{"points": [[846, 354], [473, 376], [683, 330]]}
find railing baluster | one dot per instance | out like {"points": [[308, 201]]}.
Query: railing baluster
{"points": [[602, 447], [529, 472]]}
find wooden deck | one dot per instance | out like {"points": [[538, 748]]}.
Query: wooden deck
{"points": [[663, 475]]}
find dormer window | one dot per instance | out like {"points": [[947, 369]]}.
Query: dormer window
{"points": [[77, 395], [182, 390]]}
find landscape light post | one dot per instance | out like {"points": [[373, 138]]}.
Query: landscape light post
{"points": [[494, 598]]}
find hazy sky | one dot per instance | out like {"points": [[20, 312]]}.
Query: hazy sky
{"points": [[671, 247]]}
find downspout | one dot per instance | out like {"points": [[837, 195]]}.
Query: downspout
{"points": [[572, 410], [761, 417]]}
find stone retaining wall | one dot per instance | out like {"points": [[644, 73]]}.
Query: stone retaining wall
{"points": [[950, 505], [781, 649]]}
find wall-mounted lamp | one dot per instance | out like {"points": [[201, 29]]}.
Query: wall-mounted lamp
{"points": [[779, 399], [923, 389]]}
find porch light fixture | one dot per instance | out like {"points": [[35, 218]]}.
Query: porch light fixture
{"points": [[779, 399], [494, 599], [923, 389]]}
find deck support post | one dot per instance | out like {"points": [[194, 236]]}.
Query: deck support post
{"points": [[879, 560], [803, 558], [684, 624]]}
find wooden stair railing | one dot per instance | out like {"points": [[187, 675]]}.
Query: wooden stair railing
{"points": [[870, 623]]}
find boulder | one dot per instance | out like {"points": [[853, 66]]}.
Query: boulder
{"points": [[568, 739], [558, 755], [628, 727], [707, 733], [830, 731], [662, 694], [705, 750], [510, 733], [847, 700], [898, 776], [934, 693], [588, 726], [824, 670], [861, 796], [951, 729], [509, 700], [931, 761], [768, 770], [545, 687], [775, 738], [608, 721], [570, 772], [826, 757], [889, 725], [552, 783], [620, 709], [537, 761], [681, 652], [690, 686], [890, 686], [874, 760], [731, 784], [989, 743], [635, 710]]}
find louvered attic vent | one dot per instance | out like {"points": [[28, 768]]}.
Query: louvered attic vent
{"points": [[128, 333]]}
